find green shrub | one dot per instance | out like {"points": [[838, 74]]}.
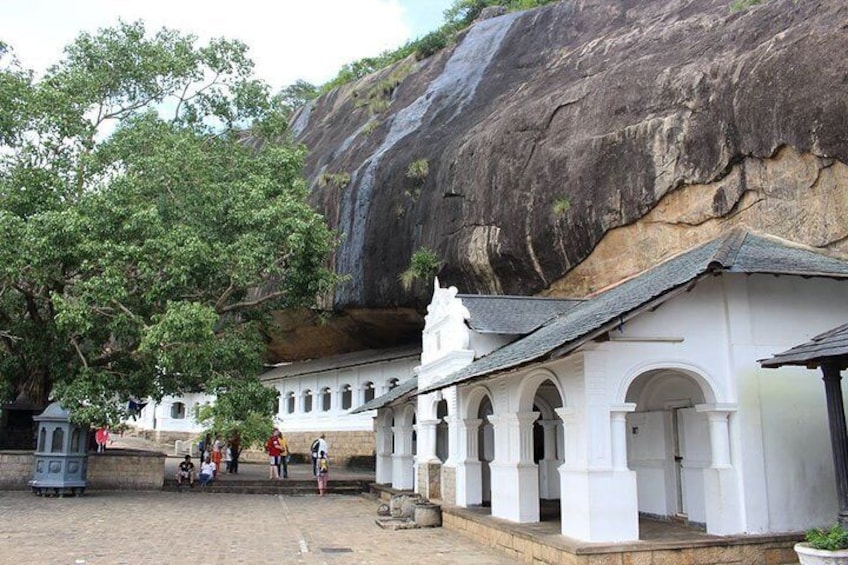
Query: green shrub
{"points": [[336, 180], [369, 128], [431, 43], [418, 169], [829, 540], [423, 266], [561, 206], [739, 5]]}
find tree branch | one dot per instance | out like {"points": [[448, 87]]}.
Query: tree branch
{"points": [[79, 352], [250, 303]]}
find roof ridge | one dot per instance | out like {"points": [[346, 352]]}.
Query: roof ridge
{"points": [[519, 297], [725, 255]]}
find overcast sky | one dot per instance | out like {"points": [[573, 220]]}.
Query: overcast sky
{"points": [[289, 40]]}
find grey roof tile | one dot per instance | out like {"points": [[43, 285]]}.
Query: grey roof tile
{"points": [[512, 315], [830, 346], [346, 360]]}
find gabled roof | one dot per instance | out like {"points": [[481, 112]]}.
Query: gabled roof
{"points": [[399, 393], [512, 315], [829, 347], [336, 362], [738, 251]]}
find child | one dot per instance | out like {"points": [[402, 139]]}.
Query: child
{"points": [[186, 471], [323, 473]]}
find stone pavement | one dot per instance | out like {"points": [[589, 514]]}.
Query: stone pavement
{"points": [[119, 527]]}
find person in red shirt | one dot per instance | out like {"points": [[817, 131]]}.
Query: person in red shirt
{"points": [[275, 451], [102, 437]]}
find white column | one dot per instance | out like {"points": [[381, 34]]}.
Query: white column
{"points": [[618, 432], [721, 480], [383, 439], [427, 441], [335, 400], [469, 477], [599, 499], [515, 478], [548, 474], [403, 472]]}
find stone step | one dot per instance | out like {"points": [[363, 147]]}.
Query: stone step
{"points": [[285, 487]]}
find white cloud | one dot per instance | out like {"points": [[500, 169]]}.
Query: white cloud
{"points": [[289, 40]]}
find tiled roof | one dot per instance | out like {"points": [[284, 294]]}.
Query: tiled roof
{"points": [[405, 388], [512, 315], [831, 346], [346, 360], [738, 251]]}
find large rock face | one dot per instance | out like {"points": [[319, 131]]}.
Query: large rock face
{"points": [[575, 144]]}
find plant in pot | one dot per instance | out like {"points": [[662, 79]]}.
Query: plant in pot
{"points": [[824, 547]]}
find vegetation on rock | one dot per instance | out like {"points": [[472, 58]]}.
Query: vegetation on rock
{"points": [[143, 242], [418, 169], [456, 18], [423, 266], [738, 5]]}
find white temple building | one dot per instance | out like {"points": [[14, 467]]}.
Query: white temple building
{"points": [[643, 400]]}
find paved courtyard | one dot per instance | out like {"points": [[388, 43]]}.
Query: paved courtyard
{"points": [[117, 527]]}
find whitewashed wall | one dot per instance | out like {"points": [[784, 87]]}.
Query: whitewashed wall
{"points": [[158, 415], [380, 373]]}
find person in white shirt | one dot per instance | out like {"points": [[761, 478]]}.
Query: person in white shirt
{"points": [[319, 446], [207, 472]]}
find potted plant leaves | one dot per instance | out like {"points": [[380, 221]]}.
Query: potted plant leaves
{"points": [[824, 546]]}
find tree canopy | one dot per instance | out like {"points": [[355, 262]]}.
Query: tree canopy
{"points": [[144, 240]]}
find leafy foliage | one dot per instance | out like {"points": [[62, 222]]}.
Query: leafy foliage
{"points": [[418, 169], [296, 95], [243, 409], [561, 206], [336, 180], [423, 266], [829, 540], [144, 241]]}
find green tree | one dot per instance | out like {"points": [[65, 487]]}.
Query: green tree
{"points": [[243, 410], [296, 95], [144, 242]]}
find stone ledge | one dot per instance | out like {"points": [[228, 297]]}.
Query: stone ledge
{"points": [[529, 545], [115, 469]]}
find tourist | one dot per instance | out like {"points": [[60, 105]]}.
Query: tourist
{"points": [[228, 458], [272, 447], [102, 437], [207, 472], [284, 456], [216, 453], [185, 471], [235, 446], [323, 473], [318, 446]]}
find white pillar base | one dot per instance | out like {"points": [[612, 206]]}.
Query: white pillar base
{"points": [[549, 486], [469, 483], [721, 495], [403, 472], [599, 506], [515, 491], [383, 471]]}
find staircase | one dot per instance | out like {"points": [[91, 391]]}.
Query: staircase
{"points": [[290, 487]]}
